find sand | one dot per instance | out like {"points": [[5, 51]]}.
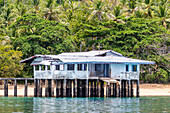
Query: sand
{"points": [[145, 90]]}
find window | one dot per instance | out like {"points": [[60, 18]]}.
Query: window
{"points": [[134, 68], [59, 67], [79, 66], [37, 67], [42, 67], [82, 67], [85, 67], [97, 67], [70, 67], [48, 67], [127, 67]]}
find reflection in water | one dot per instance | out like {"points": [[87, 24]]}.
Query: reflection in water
{"points": [[79, 105], [9, 105], [86, 104]]}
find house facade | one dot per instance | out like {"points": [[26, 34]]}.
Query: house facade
{"points": [[85, 65]]}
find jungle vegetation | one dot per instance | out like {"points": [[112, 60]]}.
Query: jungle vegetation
{"points": [[135, 28]]}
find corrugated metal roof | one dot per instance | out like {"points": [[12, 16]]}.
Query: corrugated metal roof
{"points": [[98, 59], [89, 57], [89, 53]]}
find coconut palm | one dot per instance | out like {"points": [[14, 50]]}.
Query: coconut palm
{"points": [[162, 12], [99, 11], [51, 11]]}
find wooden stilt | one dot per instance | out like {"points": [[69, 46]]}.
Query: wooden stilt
{"points": [[124, 88], [26, 88], [80, 88], [131, 88], [69, 88], [109, 90], [87, 88], [35, 89], [128, 88], [102, 88], [94, 88], [46, 89], [6, 88], [52, 88], [84, 88], [119, 90], [137, 89], [57, 88], [115, 89], [91, 89], [49, 88], [41, 85], [38, 87], [75, 87], [15, 89], [98, 88]]}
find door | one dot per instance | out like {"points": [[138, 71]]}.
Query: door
{"points": [[106, 70]]}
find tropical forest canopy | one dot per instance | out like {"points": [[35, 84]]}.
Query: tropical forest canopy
{"points": [[135, 28]]}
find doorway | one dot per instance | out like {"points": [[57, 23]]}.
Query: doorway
{"points": [[106, 70]]}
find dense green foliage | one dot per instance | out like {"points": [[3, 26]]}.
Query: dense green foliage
{"points": [[135, 28]]}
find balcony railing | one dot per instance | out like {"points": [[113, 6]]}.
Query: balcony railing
{"points": [[127, 75]]}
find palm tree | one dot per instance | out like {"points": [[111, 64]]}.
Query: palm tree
{"points": [[8, 15], [162, 12], [99, 11], [50, 11]]}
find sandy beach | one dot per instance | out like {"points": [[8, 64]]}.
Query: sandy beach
{"points": [[145, 90]]}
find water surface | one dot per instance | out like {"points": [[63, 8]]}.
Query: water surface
{"points": [[82, 105]]}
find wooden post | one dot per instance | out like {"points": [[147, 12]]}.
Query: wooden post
{"points": [[57, 90], [128, 88], [26, 88], [119, 90], [91, 89], [109, 90], [102, 89], [15, 88], [61, 89], [38, 87], [35, 89], [75, 87], [98, 88], [70, 88], [5, 88], [80, 88], [131, 88], [46, 89], [115, 89], [64, 88], [122, 88], [49, 87], [87, 88], [67, 88], [125, 88], [137, 89], [41, 85], [95, 89]]}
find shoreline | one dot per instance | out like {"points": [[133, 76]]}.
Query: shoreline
{"points": [[145, 90]]}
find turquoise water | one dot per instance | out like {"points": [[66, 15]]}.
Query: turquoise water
{"points": [[79, 105]]}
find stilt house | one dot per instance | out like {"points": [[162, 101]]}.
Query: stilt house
{"points": [[85, 65]]}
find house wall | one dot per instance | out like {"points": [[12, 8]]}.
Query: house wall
{"points": [[118, 71], [53, 73]]}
